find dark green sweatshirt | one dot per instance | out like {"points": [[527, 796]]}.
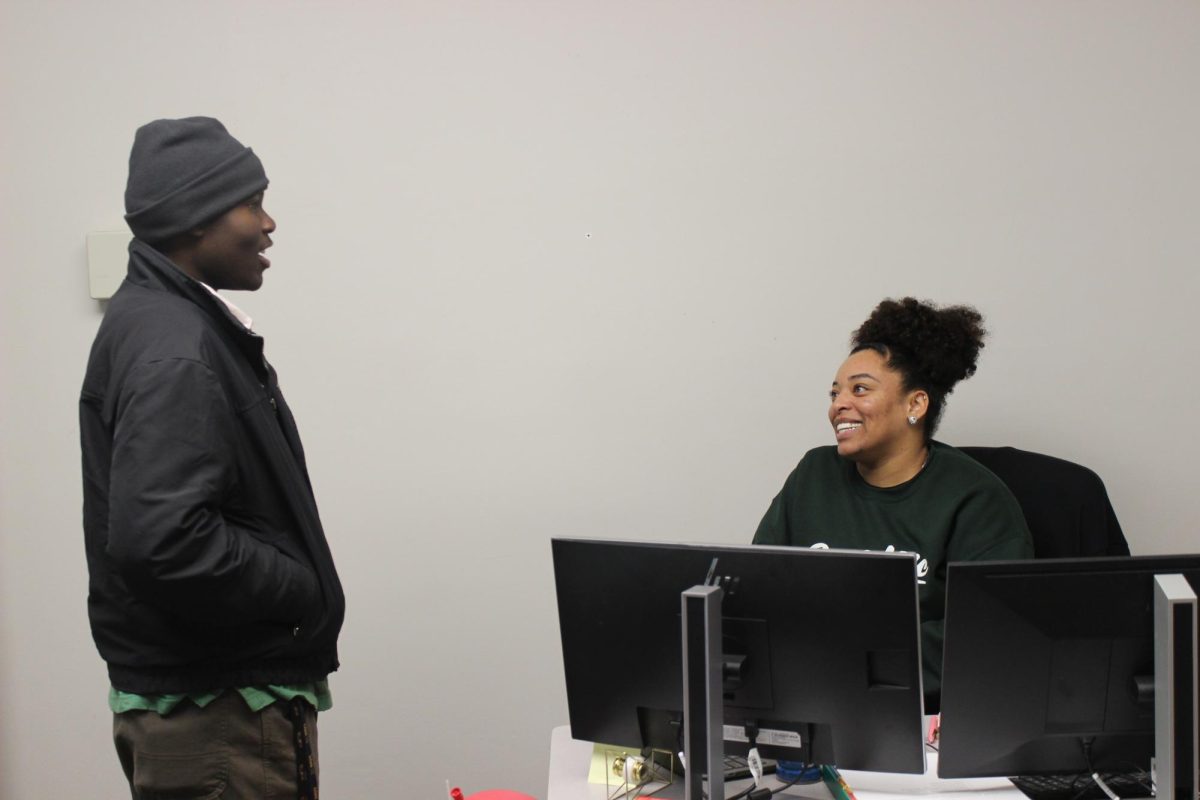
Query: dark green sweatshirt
{"points": [[953, 510]]}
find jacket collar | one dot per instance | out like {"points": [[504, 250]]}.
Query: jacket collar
{"points": [[150, 268]]}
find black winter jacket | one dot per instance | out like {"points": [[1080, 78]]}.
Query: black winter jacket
{"points": [[208, 566]]}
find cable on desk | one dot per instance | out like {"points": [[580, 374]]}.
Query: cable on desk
{"points": [[761, 793]]}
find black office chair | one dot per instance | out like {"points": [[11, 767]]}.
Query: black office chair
{"points": [[1065, 504]]}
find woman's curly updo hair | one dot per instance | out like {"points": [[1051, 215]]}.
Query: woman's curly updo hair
{"points": [[932, 348]]}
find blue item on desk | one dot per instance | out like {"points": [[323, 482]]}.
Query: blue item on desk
{"points": [[797, 771]]}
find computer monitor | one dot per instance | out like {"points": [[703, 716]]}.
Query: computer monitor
{"points": [[1048, 665], [821, 648]]}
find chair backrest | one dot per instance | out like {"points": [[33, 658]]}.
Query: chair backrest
{"points": [[1066, 505]]}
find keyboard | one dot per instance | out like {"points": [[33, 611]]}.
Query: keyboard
{"points": [[1082, 787], [736, 767]]}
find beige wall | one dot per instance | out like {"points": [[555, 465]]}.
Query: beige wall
{"points": [[555, 268]]}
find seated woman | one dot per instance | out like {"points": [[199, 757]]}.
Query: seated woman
{"points": [[887, 485]]}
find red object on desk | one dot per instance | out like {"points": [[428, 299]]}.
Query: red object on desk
{"points": [[935, 729]]}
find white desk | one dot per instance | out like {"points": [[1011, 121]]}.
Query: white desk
{"points": [[570, 760]]}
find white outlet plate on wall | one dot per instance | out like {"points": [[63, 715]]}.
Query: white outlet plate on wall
{"points": [[108, 257]]}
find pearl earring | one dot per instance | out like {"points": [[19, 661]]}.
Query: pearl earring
{"points": [[912, 420]]}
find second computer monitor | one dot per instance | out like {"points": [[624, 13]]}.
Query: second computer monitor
{"points": [[1048, 665]]}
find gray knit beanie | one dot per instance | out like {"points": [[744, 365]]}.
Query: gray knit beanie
{"points": [[185, 172]]}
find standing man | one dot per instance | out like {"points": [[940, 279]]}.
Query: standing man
{"points": [[213, 596]]}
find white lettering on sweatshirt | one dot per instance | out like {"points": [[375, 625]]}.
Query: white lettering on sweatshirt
{"points": [[922, 564]]}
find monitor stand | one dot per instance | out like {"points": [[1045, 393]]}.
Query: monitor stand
{"points": [[1175, 684], [703, 712]]}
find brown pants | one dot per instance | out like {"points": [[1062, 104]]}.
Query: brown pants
{"points": [[223, 750]]}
